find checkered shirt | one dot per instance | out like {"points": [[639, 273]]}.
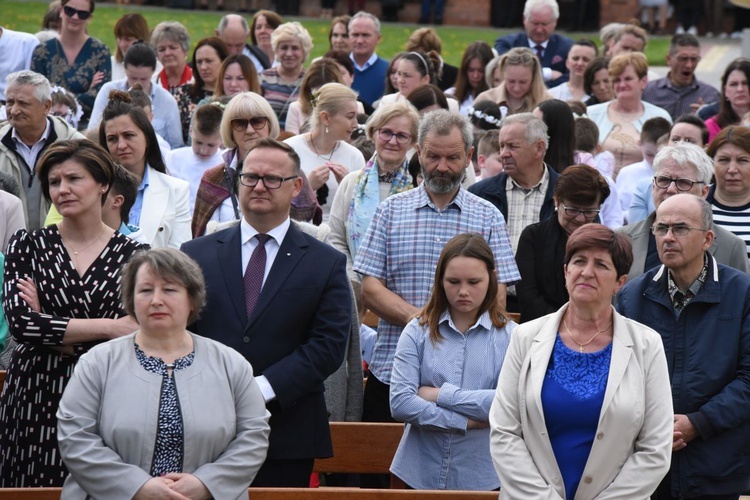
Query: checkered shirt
{"points": [[402, 246]]}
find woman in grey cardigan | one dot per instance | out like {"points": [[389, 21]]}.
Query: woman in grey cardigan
{"points": [[162, 412]]}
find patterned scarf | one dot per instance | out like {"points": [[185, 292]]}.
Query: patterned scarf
{"points": [[367, 197]]}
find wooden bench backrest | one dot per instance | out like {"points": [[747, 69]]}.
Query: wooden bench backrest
{"points": [[361, 447], [289, 494]]}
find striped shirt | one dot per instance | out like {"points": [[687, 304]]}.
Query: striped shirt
{"points": [[279, 93], [402, 246], [733, 219]]}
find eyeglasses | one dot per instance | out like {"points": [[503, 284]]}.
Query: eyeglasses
{"points": [[677, 229], [82, 14], [682, 184], [386, 135], [257, 122], [269, 181], [575, 212]]}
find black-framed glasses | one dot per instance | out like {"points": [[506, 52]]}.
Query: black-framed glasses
{"points": [[575, 212], [677, 229], [269, 181], [82, 14], [386, 135], [682, 183], [257, 122]]}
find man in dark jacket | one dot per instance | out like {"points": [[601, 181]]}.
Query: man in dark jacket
{"points": [[539, 21], [701, 309]]}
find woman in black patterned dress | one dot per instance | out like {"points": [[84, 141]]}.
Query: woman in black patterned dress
{"points": [[61, 297]]}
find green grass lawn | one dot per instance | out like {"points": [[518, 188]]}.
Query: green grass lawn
{"points": [[27, 16]]}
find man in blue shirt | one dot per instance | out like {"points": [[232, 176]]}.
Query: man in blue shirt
{"points": [[369, 69]]}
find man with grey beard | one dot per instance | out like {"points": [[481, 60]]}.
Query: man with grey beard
{"points": [[399, 254]]}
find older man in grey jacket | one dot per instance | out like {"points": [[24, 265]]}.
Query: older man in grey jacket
{"points": [[29, 132], [682, 168]]}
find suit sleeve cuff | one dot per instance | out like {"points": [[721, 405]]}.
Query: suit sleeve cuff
{"points": [[265, 388], [547, 74]]}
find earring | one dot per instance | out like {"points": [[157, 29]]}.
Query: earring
{"points": [[326, 129]]}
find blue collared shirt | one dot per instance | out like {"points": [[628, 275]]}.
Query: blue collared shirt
{"points": [[135, 211], [402, 246], [437, 451]]}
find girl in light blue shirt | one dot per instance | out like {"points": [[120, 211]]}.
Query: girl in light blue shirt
{"points": [[445, 372]]}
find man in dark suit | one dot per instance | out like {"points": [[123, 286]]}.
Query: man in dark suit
{"points": [[281, 298], [539, 20]]}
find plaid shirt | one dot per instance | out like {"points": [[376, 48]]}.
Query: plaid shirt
{"points": [[524, 206], [677, 100], [402, 246]]}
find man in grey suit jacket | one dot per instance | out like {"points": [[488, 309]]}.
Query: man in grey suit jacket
{"points": [[682, 168]]}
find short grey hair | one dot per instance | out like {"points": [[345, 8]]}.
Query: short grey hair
{"points": [[686, 154], [172, 31], [233, 17], [535, 128], [42, 88], [442, 122], [532, 5], [707, 213], [366, 15]]}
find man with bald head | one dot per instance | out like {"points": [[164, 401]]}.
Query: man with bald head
{"points": [[234, 30], [701, 309], [681, 168]]}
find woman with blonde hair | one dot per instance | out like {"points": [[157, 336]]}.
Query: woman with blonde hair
{"points": [[318, 74], [247, 119], [620, 120], [523, 87], [325, 155], [291, 44]]}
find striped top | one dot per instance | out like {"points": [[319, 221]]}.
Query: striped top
{"points": [[279, 93], [733, 219]]}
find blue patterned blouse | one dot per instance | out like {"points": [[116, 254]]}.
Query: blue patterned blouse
{"points": [[572, 398], [168, 452], [49, 60]]}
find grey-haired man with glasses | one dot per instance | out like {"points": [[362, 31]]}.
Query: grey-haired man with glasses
{"points": [[701, 309], [682, 168]]}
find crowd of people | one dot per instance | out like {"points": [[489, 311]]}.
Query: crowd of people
{"points": [[191, 240]]}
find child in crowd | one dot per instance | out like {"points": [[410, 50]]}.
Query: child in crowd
{"points": [[488, 155], [65, 106], [587, 140], [630, 176], [190, 162], [445, 372], [121, 198]]}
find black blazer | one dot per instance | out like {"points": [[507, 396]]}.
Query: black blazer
{"points": [[540, 256], [554, 55], [296, 336], [448, 78]]}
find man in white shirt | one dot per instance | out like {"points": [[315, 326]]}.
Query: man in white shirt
{"points": [[16, 48]]}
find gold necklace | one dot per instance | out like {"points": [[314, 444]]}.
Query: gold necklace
{"points": [[581, 346], [76, 252]]}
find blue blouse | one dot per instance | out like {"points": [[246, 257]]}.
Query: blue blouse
{"points": [[572, 398], [437, 451], [169, 446]]}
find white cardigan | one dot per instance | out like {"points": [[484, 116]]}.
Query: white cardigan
{"points": [[633, 446], [108, 417]]}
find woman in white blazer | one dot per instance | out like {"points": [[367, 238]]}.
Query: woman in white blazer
{"points": [[583, 407], [162, 205]]}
